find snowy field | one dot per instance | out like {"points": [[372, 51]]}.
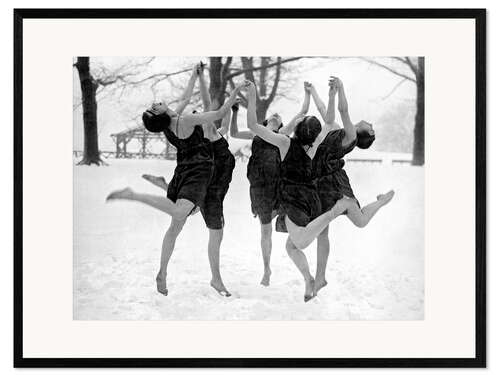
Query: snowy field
{"points": [[374, 273]]}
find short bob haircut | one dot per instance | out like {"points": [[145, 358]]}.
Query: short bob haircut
{"points": [[308, 130], [365, 139], [155, 123]]}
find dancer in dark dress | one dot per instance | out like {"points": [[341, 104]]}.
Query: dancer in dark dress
{"points": [[263, 173], [299, 201], [212, 206], [212, 209], [193, 173], [328, 167]]}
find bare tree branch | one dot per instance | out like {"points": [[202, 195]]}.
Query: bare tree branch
{"points": [[411, 65], [393, 71], [244, 101], [276, 82], [394, 88], [252, 68]]}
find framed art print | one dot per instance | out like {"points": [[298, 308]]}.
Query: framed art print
{"points": [[249, 188]]}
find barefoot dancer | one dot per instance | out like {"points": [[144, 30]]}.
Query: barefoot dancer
{"points": [[299, 200], [263, 174], [193, 172], [212, 208], [331, 178]]}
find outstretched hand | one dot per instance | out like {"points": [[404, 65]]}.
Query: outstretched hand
{"points": [[236, 106], [158, 108], [243, 85], [307, 86], [335, 82]]}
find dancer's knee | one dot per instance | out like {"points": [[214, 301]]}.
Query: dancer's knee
{"points": [[360, 222], [182, 209], [176, 227], [215, 236], [299, 243], [290, 246], [266, 230]]}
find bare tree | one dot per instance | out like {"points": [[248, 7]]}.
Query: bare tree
{"points": [[89, 88], [267, 74], [115, 81], [413, 70]]}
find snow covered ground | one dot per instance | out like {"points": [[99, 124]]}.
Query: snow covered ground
{"points": [[375, 273]]}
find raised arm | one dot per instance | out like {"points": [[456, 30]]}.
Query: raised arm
{"points": [[188, 92], [233, 130], [350, 131], [290, 127], [205, 96], [224, 126], [319, 103], [330, 111], [279, 140], [211, 116]]}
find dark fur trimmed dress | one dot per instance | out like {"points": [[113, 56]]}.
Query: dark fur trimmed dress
{"points": [[332, 181], [224, 163], [195, 165], [263, 173], [299, 199]]}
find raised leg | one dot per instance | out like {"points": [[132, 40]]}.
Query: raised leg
{"points": [[158, 181], [214, 242], [303, 236], [166, 252], [178, 210], [266, 243], [361, 217], [300, 260], [323, 251]]}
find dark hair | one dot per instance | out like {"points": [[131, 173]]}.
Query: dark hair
{"points": [[308, 130], [265, 122], [365, 139], [155, 123]]}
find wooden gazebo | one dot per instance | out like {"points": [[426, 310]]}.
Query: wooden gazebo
{"points": [[145, 140]]}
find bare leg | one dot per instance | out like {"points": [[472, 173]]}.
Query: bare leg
{"points": [[300, 261], [166, 252], [158, 181], [266, 243], [361, 217], [323, 251], [303, 236], [214, 242], [178, 210]]}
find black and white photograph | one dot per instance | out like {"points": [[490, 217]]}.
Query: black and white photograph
{"points": [[218, 187], [248, 187]]}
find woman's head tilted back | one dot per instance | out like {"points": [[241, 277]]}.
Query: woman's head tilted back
{"points": [[307, 130], [157, 119], [365, 134], [274, 122]]}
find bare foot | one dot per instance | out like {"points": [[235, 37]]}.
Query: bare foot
{"points": [[156, 181], [220, 288], [386, 198], [266, 278], [319, 284], [309, 293], [161, 285], [120, 194]]}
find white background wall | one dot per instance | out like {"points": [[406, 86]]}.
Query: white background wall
{"points": [[6, 161]]}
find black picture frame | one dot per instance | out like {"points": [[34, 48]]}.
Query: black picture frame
{"points": [[479, 15]]}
